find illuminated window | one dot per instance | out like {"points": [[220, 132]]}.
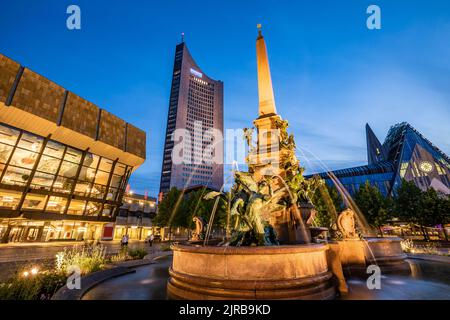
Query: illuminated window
{"points": [[8, 135], [9, 199], [30, 142], [5, 152], [16, 176], [24, 158], [34, 202], [56, 204], [76, 207]]}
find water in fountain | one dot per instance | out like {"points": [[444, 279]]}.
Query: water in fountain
{"points": [[303, 230], [366, 230], [364, 226]]}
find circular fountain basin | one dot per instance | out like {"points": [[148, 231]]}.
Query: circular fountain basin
{"points": [[387, 253], [278, 272]]}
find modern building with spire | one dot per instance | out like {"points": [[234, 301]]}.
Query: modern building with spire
{"points": [[405, 154], [195, 106]]}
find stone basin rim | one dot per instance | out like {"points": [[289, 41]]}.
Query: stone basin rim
{"points": [[261, 250]]}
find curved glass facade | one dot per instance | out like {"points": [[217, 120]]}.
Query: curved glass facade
{"points": [[41, 175]]}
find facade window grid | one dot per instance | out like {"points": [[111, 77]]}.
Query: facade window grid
{"points": [[50, 191]]}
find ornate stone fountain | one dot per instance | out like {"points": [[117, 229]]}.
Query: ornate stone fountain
{"points": [[270, 254]]}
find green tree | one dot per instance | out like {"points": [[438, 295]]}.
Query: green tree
{"points": [[435, 209], [194, 204], [372, 205], [328, 204], [444, 213], [409, 205], [167, 210], [177, 209]]}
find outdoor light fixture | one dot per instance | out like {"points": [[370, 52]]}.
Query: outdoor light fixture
{"points": [[34, 271], [26, 273]]}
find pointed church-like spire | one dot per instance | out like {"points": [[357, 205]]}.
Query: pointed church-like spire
{"points": [[375, 151], [265, 89]]}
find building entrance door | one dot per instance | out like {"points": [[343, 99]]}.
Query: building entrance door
{"points": [[15, 234], [32, 233]]}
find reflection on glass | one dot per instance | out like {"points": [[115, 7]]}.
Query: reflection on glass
{"points": [[102, 178], [107, 211], [105, 165], [91, 160], [16, 176], [119, 169], [48, 164], [54, 149], [115, 181], [55, 172], [30, 142], [34, 202], [9, 199], [42, 181], [8, 135], [24, 158], [111, 194], [73, 155], [87, 174], [63, 185], [5, 152], [68, 169], [76, 207], [98, 191], [92, 208], [83, 189], [56, 204]]}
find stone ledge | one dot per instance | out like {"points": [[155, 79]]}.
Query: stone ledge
{"points": [[429, 257], [89, 282], [112, 271], [269, 250]]}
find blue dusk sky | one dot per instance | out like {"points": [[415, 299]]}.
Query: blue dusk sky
{"points": [[331, 74]]}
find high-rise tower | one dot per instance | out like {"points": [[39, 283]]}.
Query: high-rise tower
{"points": [[195, 115]]}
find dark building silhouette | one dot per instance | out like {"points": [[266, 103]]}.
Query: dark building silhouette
{"points": [[196, 106]]}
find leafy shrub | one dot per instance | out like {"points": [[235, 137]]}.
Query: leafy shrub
{"points": [[88, 258], [166, 246], [121, 256], [137, 253], [41, 286]]}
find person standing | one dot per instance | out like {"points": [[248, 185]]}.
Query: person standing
{"points": [[150, 241], [124, 241]]}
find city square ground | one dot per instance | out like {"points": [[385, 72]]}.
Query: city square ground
{"points": [[13, 256], [428, 280]]}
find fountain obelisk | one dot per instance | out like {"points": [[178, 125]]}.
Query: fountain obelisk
{"points": [[266, 158]]}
